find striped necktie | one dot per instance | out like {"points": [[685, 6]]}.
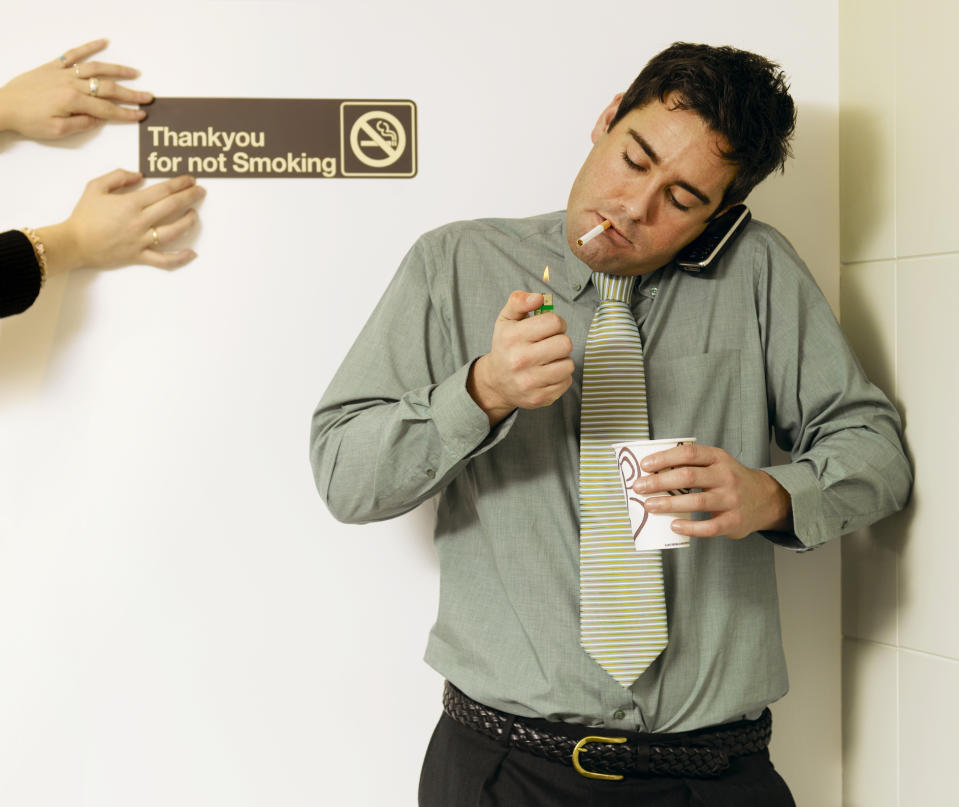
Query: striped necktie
{"points": [[622, 604]]}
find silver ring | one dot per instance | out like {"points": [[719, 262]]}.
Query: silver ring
{"points": [[94, 85], [76, 69], [156, 238], [63, 60]]}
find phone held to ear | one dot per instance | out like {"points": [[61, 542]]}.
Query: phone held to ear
{"points": [[718, 235]]}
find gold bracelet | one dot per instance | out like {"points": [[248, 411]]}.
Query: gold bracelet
{"points": [[39, 251]]}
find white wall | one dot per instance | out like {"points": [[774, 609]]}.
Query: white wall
{"points": [[900, 280], [181, 622]]}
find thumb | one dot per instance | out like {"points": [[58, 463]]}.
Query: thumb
{"points": [[519, 304]]}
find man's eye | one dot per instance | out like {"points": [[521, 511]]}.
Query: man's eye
{"points": [[676, 203], [631, 164]]}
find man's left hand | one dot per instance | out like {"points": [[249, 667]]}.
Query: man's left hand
{"points": [[740, 500]]}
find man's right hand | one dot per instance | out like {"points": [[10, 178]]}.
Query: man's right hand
{"points": [[528, 365]]}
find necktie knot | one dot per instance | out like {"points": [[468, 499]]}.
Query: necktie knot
{"points": [[614, 287]]}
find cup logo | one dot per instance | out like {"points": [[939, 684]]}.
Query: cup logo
{"points": [[630, 471]]}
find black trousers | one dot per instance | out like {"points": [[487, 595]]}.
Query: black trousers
{"points": [[464, 768]]}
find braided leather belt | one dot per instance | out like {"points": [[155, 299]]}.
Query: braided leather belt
{"points": [[702, 755]]}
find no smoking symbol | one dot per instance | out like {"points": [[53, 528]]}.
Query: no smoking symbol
{"points": [[378, 139]]}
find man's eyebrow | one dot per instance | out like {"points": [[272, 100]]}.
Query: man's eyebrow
{"points": [[644, 146], [695, 192], [654, 157]]}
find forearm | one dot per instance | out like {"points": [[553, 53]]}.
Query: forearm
{"points": [[60, 248], [378, 458], [849, 480]]}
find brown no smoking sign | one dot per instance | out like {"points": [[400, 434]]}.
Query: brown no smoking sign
{"points": [[278, 137]]}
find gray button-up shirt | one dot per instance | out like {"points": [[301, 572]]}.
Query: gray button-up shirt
{"points": [[748, 350]]}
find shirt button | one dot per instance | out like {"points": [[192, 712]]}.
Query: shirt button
{"points": [[653, 291], [577, 286], [431, 473], [619, 714]]}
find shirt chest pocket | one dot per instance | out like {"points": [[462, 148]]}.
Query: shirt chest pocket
{"points": [[697, 396]]}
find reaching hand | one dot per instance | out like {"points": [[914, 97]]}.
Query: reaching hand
{"points": [[528, 365], [111, 228], [69, 95]]}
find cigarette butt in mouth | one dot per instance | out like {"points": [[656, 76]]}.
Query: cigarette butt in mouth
{"points": [[585, 238]]}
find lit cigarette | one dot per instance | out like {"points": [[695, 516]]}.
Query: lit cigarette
{"points": [[587, 237], [547, 298]]}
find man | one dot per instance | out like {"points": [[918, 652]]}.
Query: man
{"points": [[449, 392]]}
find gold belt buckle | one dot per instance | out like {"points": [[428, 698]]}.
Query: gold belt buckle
{"points": [[581, 746]]}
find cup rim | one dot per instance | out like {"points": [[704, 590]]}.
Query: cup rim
{"points": [[661, 440]]}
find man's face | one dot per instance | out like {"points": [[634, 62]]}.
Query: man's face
{"points": [[657, 175]]}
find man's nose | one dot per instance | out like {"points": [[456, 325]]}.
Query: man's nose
{"points": [[639, 201]]}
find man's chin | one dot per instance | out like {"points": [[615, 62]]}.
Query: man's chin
{"points": [[601, 261]]}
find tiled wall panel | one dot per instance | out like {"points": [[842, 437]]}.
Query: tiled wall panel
{"points": [[927, 290], [867, 129], [929, 707], [927, 118], [870, 742]]}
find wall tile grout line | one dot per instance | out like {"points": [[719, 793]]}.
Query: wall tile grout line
{"points": [[915, 257], [901, 648]]}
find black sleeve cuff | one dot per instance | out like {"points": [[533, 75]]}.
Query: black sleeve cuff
{"points": [[19, 273]]}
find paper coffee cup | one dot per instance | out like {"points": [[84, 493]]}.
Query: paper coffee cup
{"points": [[650, 530]]}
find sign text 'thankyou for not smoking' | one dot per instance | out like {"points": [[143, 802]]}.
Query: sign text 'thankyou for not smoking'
{"points": [[239, 161], [278, 137]]}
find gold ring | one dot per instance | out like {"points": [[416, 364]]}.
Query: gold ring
{"points": [[76, 69], [156, 238], [94, 86]]}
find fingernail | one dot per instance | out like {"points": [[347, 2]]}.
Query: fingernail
{"points": [[146, 97], [640, 485]]}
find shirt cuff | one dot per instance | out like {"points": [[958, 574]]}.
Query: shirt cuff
{"points": [[462, 425], [806, 497]]}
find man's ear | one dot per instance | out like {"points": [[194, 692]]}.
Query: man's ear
{"points": [[606, 118]]}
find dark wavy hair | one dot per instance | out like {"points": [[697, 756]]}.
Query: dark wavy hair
{"points": [[741, 95]]}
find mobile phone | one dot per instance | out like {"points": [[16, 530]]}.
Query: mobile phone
{"points": [[718, 235]]}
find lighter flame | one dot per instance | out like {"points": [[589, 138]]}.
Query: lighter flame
{"points": [[546, 275]]}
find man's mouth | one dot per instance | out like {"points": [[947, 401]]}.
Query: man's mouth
{"points": [[616, 234]]}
